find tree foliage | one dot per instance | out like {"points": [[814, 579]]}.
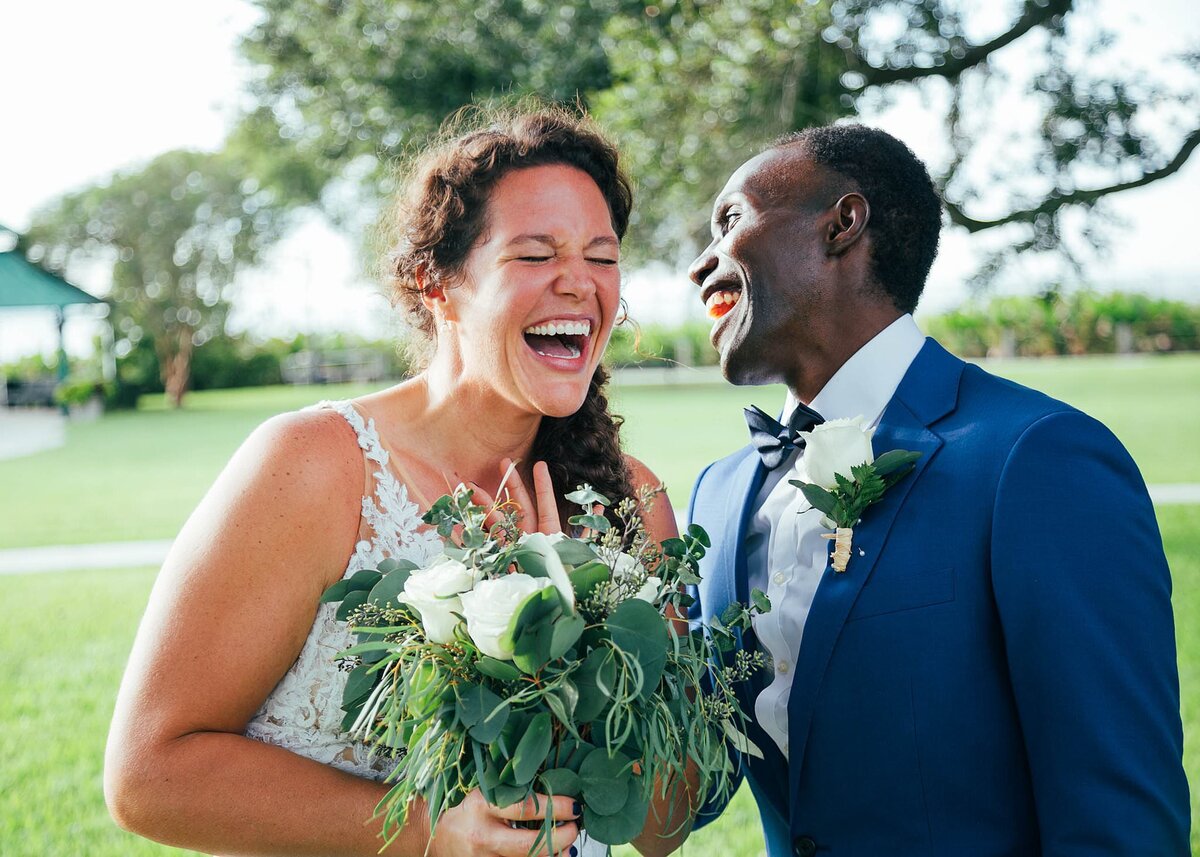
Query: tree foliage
{"points": [[173, 234], [692, 87]]}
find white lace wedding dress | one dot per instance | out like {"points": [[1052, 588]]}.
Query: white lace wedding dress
{"points": [[303, 713]]}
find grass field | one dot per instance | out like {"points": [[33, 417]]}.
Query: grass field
{"points": [[133, 476], [64, 637]]}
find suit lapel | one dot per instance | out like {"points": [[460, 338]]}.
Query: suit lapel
{"points": [[927, 392]]}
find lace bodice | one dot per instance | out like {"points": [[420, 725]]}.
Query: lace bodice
{"points": [[303, 713]]}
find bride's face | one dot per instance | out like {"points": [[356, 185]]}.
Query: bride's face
{"points": [[539, 292]]}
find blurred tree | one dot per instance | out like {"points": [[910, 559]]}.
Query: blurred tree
{"points": [[693, 86], [173, 234]]}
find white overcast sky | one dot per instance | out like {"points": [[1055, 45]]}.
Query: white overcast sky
{"points": [[89, 88]]}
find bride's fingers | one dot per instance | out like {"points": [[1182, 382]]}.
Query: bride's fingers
{"points": [[519, 843], [547, 504], [536, 807], [527, 512]]}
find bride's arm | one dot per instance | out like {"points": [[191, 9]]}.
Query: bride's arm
{"points": [[670, 815], [229, 612]]}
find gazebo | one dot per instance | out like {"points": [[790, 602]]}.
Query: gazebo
{"points": [[24, 284]]}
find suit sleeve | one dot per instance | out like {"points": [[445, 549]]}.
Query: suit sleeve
{"points": [[1084, 596], [712, 806]]}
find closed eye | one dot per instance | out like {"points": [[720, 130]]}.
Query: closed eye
{"points": [[603, 261]]}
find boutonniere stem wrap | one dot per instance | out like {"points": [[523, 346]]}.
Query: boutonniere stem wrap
{"points": [[845, 477]]}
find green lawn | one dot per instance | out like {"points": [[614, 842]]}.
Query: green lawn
{"points": [[63, 643], [133, 476], [64, 638]]}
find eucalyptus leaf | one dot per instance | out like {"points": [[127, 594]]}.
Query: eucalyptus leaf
{"points": [[561, 781], [385, 593], [354, 599], [621, 826], [638, 629], [336, 592], [574, 551], [364, 579], [598, 673], [497, 669], [605, 780], [532, 750], [530, 561], [699, 534], [507, 795], [587, 496], [585, 578], [359, 684], [564, 634], [390, 565]]}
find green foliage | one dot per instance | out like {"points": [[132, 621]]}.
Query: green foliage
{"points": [[691, 89], [174, 234], [1068, 322]]}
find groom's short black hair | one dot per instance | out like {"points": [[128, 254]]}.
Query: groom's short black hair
{"points": [[906, 212]]}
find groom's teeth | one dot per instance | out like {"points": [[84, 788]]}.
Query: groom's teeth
{"points": [[721, 302]]}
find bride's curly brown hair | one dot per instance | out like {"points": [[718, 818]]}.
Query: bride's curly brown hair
{"points": [[440, 213]]}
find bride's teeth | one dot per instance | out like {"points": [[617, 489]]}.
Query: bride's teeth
{"points": [[561, 328]]}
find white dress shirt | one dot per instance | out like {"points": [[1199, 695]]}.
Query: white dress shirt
{"points": [[786, 555]]}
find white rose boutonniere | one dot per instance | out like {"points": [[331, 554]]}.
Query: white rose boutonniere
{"points": [[489, 608], [836, 447], [845, 477], [434, 592]]}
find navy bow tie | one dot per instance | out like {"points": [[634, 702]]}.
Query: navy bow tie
{"points": [[773, 439]]}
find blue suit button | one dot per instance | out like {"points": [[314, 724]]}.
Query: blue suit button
{"points": [[804, 846]]}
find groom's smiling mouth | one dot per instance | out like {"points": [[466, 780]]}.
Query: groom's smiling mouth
{"points": [[564, 339], [721, 301]]}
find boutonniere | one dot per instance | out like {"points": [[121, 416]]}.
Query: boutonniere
{"points": [[845, 477]]}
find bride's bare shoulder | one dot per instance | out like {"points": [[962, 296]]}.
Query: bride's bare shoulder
{"points": [[315, 445]]}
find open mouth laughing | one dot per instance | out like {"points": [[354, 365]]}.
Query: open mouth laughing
{"points": [[559, 339], [720, 301]]}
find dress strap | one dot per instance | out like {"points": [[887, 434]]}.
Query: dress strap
{"points": [[391, 521], [364, 429]]}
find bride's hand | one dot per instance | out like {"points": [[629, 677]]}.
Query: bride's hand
{"points": [[475, 828], [538, 515]]}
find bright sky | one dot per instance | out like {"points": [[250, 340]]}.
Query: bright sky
{"points": [[94, 87]]}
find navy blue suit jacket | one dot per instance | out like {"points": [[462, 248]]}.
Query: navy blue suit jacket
{"points": [[995, 672]]}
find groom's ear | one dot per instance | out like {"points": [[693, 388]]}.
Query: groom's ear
{"points": [[847, 223]]}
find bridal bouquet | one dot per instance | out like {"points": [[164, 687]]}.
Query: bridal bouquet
{"points": [[526, 663]]}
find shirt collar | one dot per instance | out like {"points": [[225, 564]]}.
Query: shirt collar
{"points": [[866, 382]]}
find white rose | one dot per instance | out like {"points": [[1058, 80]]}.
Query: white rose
{"points": [[626, 567], [489, 607], [434, 592], [835, 447], [544, 545]]}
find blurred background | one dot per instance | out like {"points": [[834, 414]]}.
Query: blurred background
{"points": [[189, 204]]}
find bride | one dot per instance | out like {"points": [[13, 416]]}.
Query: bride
{"points": [[226, 736]]}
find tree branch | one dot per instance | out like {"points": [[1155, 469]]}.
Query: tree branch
{"points": [[1055, 201], [1036, 14]]}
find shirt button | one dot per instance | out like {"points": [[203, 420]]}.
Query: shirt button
{"points": [[782, 666], [804, 846], [779, 578]]}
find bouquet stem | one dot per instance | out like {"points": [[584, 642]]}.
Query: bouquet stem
{"points": [[841, 547]]}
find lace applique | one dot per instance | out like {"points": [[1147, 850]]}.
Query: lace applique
{"points": [[303, 713]]}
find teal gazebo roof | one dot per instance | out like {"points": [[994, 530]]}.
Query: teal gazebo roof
{"points": [[24, 284]]}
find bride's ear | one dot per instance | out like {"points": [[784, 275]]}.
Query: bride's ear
{"points": [[434, 297], [849, 219]]}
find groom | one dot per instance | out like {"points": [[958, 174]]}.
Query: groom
{"points": [[994, 673]]}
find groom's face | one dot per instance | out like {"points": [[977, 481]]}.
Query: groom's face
{"points": [[761, 277]]}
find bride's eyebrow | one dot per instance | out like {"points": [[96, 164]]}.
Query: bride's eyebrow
{"points": [[534, 239]]}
